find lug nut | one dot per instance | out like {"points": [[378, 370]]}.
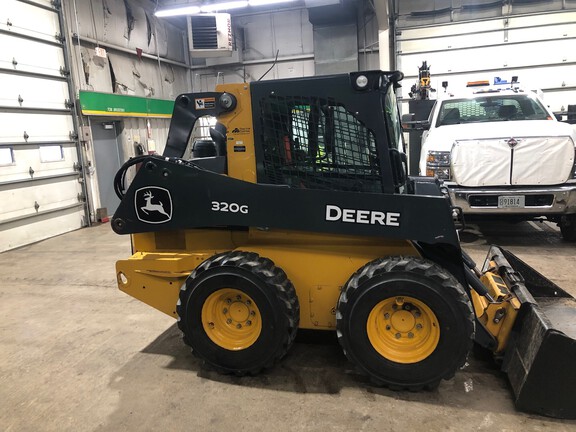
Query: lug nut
{"points": [[211, 325], [252, 313], [387, 327], [386, 315], [238, 326], [228, 300], [238, 297], [224, 310], [229, 321], [248, 302], [248, 323], [410, 335], [418, 326], [398, 335]]}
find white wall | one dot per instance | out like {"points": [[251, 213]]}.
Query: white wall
{"points": [[539, 49]]}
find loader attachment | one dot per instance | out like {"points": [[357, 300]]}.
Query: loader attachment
{"points": [[540, 354]]}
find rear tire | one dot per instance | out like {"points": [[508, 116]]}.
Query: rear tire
{"points": [[238, 312], [568, 227], [405, 322]]}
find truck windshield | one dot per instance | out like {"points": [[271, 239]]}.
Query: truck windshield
{"points": [[491, 108]]}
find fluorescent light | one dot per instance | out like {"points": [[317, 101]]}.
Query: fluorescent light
{"points": [[266, 2], [224, 6], [215, 7], [184, 10]]}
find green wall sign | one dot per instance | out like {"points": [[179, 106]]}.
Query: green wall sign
{"points": [[107, 104]]}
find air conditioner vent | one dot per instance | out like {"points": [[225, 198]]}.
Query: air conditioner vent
{"points": [[204, 32], [210, 35]]}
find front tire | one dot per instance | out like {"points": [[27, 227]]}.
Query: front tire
{"points": [[568, 227], [238, 312], [405, 322]]}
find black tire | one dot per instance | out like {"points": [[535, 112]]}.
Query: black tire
{"points": [[568, 227], [266, 298], [426, 287]]}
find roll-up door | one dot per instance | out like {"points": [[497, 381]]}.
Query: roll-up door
{"points": [[41, 188], [538, 48]]}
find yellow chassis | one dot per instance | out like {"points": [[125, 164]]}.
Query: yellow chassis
{"points": [[318, 265]]}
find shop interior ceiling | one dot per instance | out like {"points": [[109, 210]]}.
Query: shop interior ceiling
{"points": [[147, 55], [331, 9]]}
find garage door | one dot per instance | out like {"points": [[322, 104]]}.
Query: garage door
{"points": [[538, 48], [41, 193]]}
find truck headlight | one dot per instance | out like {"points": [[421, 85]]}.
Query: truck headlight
{"points": [[438, 164]]}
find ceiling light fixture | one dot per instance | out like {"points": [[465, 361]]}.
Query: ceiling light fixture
{"points": [[267, 2], [215, 7]]}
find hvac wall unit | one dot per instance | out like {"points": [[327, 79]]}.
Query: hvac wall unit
{"points": [[210, 35]]}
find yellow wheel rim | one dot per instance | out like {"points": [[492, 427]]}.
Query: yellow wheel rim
{"points": [[231, 319], [403, 329]]}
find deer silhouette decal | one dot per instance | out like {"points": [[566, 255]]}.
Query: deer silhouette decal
{"points": [[153, 205]]}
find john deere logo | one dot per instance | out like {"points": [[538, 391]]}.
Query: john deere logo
{"points": [[153, 205]]}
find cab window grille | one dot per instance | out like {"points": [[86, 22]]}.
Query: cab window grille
{"points": [[315, 143]]}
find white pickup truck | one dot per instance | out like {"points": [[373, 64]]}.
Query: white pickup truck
{"points": [[503, 152]]}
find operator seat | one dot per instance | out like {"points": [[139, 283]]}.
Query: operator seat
{"points": [[211, 154], [218, 135]]}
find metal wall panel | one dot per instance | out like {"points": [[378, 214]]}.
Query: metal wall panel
{"points": [[335, 49], [28, 156], [137, 130], [49, 194], [108, 22], [424, 12], [289, 32], [144, 77], [40, 191], [23, 91], [96, 71], [22, 55], [495, 57], [17, 17], [38, 127]]}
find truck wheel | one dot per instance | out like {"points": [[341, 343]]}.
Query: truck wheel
{"points": [[568, 227], [405, 322], [238, 312]]}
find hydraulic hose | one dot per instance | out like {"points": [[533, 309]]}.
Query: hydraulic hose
{"points": [[121, 174]]}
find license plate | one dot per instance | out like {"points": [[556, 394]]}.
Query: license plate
{"points": [[511, 201]]}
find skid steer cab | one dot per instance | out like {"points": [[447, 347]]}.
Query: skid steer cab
{"points": [[298, 213]]}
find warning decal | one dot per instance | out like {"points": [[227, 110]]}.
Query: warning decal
{"points": [[204, 103]]}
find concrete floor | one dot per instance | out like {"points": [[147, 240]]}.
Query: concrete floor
{"points": [[76, 354]]}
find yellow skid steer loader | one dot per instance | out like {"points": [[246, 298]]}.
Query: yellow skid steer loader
{"points": [[298, 213]]}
